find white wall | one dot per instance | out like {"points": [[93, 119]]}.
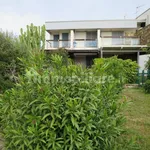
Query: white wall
{"points": [[142, 61], [80, 35], [47, 36], [145, 15], [93, 24], [106, 41]]}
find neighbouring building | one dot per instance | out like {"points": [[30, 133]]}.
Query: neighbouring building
{"points": [[88, 39], [143, 31]]}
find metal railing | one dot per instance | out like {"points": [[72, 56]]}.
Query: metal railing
{"points": [[109, 41], [81, 43], [88, 43], [57, 44], [143, 76]]}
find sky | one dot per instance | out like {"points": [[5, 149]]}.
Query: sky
{"points": [[16, 14]]}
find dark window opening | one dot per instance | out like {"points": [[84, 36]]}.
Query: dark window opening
{"points": [[142, 24]]}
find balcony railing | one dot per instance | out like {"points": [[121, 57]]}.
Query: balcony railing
{"points": [[57, 44], [87, 43], [78, 43], [84, 43], [126, 41]]}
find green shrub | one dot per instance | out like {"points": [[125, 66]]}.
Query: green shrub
{"points": [[10, 66], [120, 69], [61, 107], [147, 66], [131, 70], [147, 86]]}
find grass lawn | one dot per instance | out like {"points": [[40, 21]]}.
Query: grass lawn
{"points": [[137, 114]]}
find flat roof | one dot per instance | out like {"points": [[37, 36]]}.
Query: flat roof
{"points": [[91, 24], [55, 21]]}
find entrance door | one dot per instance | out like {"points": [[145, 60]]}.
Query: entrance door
{"points": [[56, 41], [65, 40], [89, 61], [117, 38]]}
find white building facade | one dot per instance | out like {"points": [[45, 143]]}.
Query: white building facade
{"points": [[86, 40]]}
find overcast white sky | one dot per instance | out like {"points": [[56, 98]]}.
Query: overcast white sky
{"points": [[15, 14]]}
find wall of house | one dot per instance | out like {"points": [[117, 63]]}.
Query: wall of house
{"points": [[80, 35], [93, 24], [106, 41], [145, 15], [144, 34]]}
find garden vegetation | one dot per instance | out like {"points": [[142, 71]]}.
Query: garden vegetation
{"points": [[62, 106]]}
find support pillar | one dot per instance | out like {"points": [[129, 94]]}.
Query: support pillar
{"points": [[98, 38], [138, 54], [60, 38], [71, 39], [101, 53]]}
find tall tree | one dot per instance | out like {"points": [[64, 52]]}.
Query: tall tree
{"points": [[33, 37], [10, 50]]}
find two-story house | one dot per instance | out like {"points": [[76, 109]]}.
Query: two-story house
{"points": [[88, 39]]}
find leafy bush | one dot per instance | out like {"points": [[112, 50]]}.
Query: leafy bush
{"points": [[147, 86], [118, 68], [61, 52], [131, 70], [10, 67], [61, 107], [147, 66]]}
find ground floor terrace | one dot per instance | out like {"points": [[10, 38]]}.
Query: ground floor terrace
{"points": [[85, 58]]}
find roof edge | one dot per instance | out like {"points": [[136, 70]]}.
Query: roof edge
{"points": [[143, 13], [91, 20]]}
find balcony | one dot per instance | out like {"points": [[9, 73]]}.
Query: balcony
{"points": [[77, 43], [84, 43], [52, 44], [109, 41]]}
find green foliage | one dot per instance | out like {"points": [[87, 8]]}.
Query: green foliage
{"points": [[118, 68], [131, 70], [62, 107], [147, 49], [147, 86], [147, 65], [33, 38], [61, 52], [10, 67]]}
